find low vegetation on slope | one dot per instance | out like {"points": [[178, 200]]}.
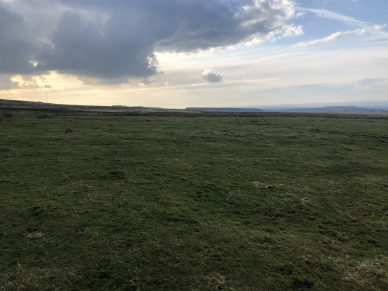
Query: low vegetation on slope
{"points": [[121, 203]]}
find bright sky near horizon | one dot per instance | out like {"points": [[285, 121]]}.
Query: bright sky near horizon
{"points": [[176, 53]]}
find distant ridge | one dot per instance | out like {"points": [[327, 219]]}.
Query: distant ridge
{"points": [[224, 109], [285, 109], [119, 110], [40, 106], [327, 109]]}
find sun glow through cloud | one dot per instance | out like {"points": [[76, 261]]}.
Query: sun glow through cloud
{"points": [[264, 54]]}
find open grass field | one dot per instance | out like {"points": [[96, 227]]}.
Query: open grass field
{"points": [[183, 203]]}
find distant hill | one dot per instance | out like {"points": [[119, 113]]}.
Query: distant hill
{"points": [[40, 106], [223, 109], [328, 109], [14, 105], [284, 109]]}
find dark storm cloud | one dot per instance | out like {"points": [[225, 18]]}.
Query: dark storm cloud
{"points": [[16, 46], [116, 39], [81, 46], [212, 77]]}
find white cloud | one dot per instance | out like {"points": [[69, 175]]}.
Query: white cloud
{"points": [[293, 30], [333, 15], [331, 37], [377, 30]]}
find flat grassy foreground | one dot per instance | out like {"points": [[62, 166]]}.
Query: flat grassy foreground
{"points": [[176, 203]]}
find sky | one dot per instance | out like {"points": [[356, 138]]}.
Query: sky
{"points": [[187, 53]]}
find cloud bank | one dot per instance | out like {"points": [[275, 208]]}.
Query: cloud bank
{"points": [[370, 82], [117, 39]]}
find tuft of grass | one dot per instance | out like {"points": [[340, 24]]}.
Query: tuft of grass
{"points": [[42, 116]]}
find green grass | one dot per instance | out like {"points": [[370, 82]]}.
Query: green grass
{"points": [[153, 203]]}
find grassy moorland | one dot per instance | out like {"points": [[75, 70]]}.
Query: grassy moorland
{"points": [[175, 203]]}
